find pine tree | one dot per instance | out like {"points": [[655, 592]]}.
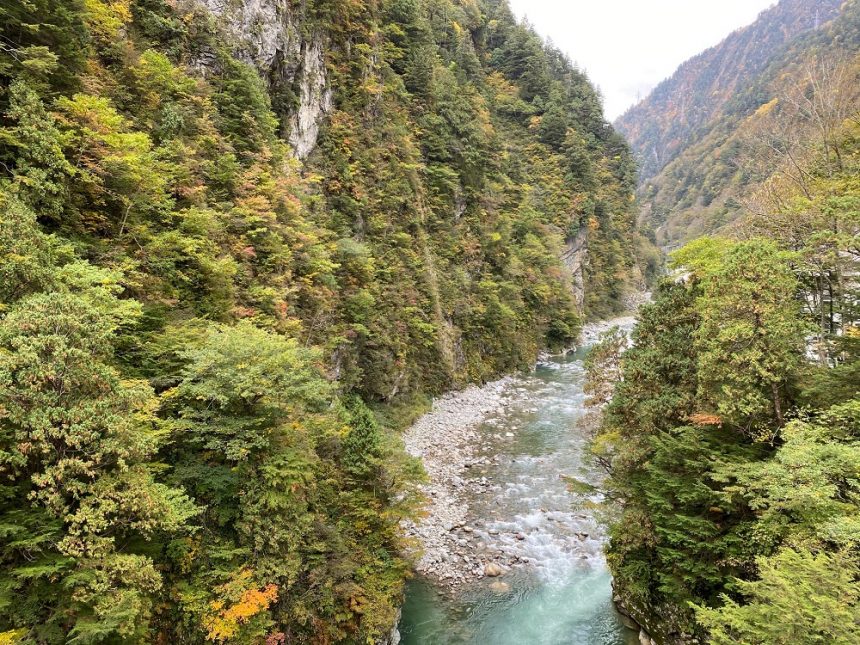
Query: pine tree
{"points": [[77, 444], [751, 339]]}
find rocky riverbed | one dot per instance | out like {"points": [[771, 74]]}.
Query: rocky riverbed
{"points": [[592, 331], [455, 441], [447, 441]]}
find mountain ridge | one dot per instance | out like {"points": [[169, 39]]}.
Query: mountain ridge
{"points": [[708, 170], [678, 106]]}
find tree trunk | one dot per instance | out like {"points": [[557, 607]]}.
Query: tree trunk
{"points": [[777, 403]]}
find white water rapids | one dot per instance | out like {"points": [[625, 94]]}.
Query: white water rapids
{"points": [[560, 594]]}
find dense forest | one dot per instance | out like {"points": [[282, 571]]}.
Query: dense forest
{"points": [[699, 137], [732, 431], [243, 243], [240, 244]]}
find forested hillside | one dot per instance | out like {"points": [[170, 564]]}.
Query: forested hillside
{"points": [[732, 436], [681, 108], [699, 136], [734, 457], [228, 232]]}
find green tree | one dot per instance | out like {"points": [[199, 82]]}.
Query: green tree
{"points": [[752, 338], [247, 423], [36, 36], [29, 259], [363, 450], [603, 366], [77, 446], [807, 492], [31, 150], [800, 597], [678, 537]]}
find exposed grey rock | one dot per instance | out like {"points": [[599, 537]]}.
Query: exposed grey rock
{"points": [[269, 34], [315, 101], [492, 570], [393, 637], [446, 440], [262, 30], [628, 622], [645, 639], [574, 257]]}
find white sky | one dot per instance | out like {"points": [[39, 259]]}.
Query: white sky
{"points": [[628, 46]]}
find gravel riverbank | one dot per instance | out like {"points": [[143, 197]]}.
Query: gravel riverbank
{"points": [[448, 440]]}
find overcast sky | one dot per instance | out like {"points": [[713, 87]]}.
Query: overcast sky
{"points": [[629, 46]]}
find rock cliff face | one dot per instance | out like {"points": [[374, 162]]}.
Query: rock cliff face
{"points": [[574, 257], [315, 99], [659, 625], [270, 35], [394, 637]]}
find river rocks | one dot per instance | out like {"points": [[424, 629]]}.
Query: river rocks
{"points": [[593, 331], [634, 300], [500, 587], [459, 441], [645, 639], [446, 440], [492, 570]]}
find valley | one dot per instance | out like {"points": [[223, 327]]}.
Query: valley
{"points": [[288, 296]]}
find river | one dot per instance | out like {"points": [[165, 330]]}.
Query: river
{"points": [[561, 593]]}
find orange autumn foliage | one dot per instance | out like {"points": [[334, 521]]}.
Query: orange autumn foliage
{"points": [[226, 622], [700, 420]]}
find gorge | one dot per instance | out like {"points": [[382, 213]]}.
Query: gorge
{"points": [[532, 563], [301, 339]]}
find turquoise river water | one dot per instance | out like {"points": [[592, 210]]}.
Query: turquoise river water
{"points": [[563, 594]]}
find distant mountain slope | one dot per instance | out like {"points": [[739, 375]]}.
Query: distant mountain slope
{"points": [[673, 115], [689, 134]]}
